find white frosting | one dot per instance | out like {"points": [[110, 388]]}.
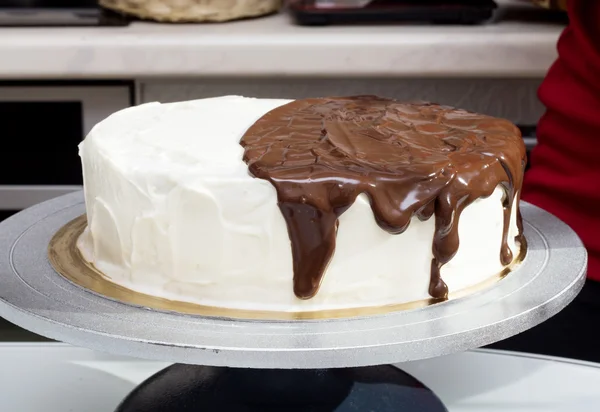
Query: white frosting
{"points": [[173, 212]]}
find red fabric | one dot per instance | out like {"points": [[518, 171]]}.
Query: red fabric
{"points": [[564, 177]]}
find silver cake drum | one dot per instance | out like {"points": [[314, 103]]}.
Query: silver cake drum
{"points": [[79, 309]]}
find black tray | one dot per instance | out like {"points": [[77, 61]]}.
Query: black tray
{"points": [[310, 12]]}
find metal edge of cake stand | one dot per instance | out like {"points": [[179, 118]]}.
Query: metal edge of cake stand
{"points": [[35, 297]]}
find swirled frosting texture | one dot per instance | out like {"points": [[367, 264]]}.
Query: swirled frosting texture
{"points": [[409, 159]]}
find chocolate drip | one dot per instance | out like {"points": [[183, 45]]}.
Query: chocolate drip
{"points": [[312, 233], [410, 160]]}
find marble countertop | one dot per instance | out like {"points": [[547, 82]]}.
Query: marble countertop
{"points": [[40, 374], [274, 46]]}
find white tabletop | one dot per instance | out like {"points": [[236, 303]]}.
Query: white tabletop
{"points": [[59, 378], [276, 46]]}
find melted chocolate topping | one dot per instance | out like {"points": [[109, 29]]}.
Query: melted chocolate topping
{"points": [[410, 160]]}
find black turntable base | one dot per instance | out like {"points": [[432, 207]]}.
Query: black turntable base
{"points": [[185, 388]]}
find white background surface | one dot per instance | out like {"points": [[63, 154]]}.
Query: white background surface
{"points": [[60, 378]]}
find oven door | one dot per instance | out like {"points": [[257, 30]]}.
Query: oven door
{"points": [[41, 127]]}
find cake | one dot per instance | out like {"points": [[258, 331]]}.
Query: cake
{"points": [[302, 205]]}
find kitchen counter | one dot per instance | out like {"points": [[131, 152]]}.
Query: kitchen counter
{"points": [[511, 46], [57, 378]]}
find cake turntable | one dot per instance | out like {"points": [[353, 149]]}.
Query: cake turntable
{"points": [[295, 365]]}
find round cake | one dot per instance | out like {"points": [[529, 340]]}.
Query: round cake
{"points": [[302, 205]]}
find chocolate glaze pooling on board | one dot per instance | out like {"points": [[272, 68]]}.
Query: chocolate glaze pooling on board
{"points": [[413, 159]]}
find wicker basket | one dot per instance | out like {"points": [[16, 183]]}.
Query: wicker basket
{"points": [[187, 11]]}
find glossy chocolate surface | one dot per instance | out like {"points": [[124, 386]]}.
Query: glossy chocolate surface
{"points": [[410, 159]]}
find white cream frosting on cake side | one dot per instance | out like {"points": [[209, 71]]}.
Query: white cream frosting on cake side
{"points": [[173, 212]]}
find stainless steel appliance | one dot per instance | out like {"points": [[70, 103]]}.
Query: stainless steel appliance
{"points": [[41, 125]]}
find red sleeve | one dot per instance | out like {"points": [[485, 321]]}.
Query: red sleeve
{"points": [[564, 177]]}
